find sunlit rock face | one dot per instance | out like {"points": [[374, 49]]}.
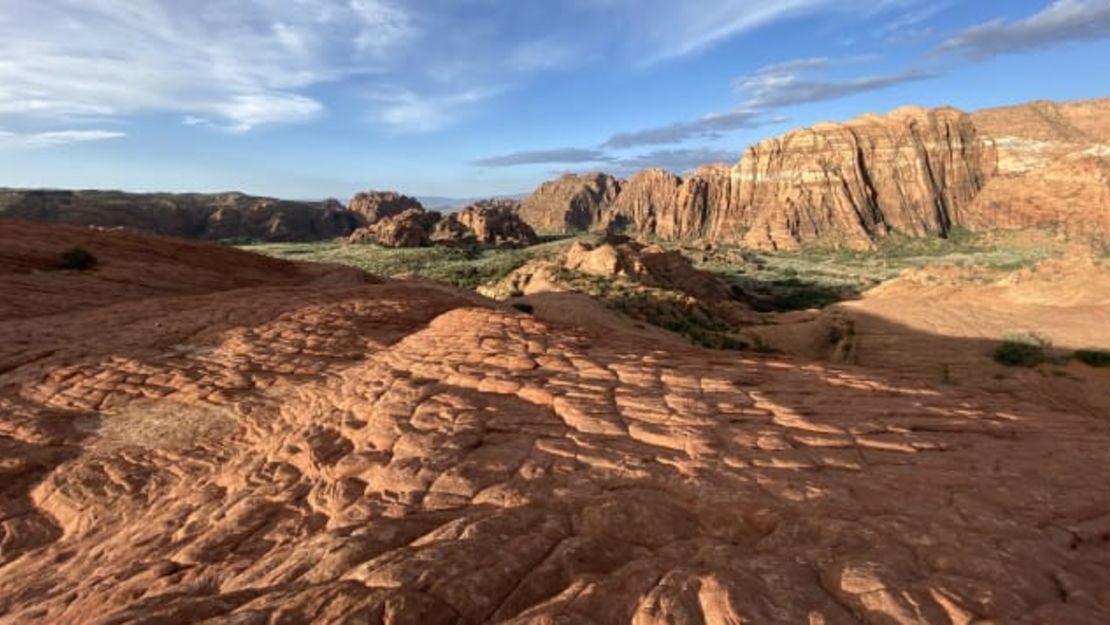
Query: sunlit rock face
{"points": [[570, 203], [194, 433], [915, 172]]}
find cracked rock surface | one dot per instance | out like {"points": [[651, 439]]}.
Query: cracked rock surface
{"points": [[192, 434]]}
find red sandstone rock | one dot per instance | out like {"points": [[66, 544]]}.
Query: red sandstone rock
{"points": [[190, 433], [373, 206], [495, 222], [410, 228], [571, 203]]}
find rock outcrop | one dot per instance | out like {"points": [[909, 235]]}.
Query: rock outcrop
{"points": [[649, 265], [1053, 169], [915, 172], [571, 203], [373, 206], [412, 227], [190, 433], [657, 203], [496, 222], [489, 222], [223, 216]]}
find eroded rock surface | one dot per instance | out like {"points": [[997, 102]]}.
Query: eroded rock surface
{"points": [[248, 446]]}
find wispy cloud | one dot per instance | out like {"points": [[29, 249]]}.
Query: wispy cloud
{"points": [[680, 160], [54, 138], [244, 64], [792, 83], [658, 30], [535, 157], [709, 126], [1061, 22], [408, 111], [776, 86]]}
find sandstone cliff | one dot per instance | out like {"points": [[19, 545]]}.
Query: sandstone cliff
{"points": [[571, 203], [1053, 169], [914, 172], [848, 185], [192, 215]]}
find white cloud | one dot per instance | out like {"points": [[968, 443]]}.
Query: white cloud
{"points": [[665, 29], [532, 157], [408, 111], [1062, 21], [54, 138], [242, 62]]}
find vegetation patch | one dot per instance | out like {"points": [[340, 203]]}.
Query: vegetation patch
{"points": [[1093, 357], [465, 267], [1021, 350], [77, 259]]}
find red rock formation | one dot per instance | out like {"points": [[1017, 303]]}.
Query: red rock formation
{"points": [[190, 434], [848, 185], [571, 203], [1053, 169], [659, 204], [915, 172], [372, 206], [495, 222], [410, 228]]}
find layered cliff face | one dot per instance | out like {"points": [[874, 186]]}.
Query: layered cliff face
{"points": [[915, 172], [1053, 169], [658, 203], [192, 215], [571, 203], [849, 185]]}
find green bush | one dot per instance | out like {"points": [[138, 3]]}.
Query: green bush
{"points": [[1093, 357], [1020, 351], [77, 259]]}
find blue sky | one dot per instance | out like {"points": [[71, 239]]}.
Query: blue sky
{"points": [[317, 98]]}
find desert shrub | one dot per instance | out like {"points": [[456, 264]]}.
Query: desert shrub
{"points": [[1019, 350], [1093, 357], [524, 308], [77, 259]]}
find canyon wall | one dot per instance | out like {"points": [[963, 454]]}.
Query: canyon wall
{"points": [[914, 172]]}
